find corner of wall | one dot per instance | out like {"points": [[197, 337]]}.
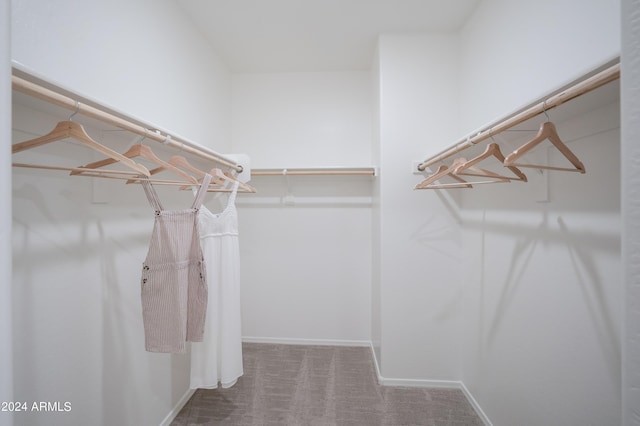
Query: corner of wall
{"points": [[176, 409], [476, 406], [630, 181], [376, 242], [6, 334]]}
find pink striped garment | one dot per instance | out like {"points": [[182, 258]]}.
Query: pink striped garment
{"points": [[173, 284]]}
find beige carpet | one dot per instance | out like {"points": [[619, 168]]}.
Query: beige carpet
{"points": [[321, 385]]}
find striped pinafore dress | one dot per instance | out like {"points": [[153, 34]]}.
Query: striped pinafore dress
{"points": [[173, 284]]}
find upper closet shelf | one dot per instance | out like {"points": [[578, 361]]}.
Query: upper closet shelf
{"points": [[579, 88], [316, 171], [26, 81], [462, 167]]}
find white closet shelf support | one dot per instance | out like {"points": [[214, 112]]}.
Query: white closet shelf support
{"points": [[23, 81], [578, 88]]}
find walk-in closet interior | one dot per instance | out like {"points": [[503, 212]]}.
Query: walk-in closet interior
{"points": [[451, 187]]}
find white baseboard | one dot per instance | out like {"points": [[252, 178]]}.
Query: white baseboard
{"points": [[376, 364], [384, 381], [174, 412], [316, 342], [416, 383], [430, 384], [475, 405]]}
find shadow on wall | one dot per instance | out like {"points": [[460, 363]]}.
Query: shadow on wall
{"points": [[439, 251], [542, 245], [592, 286], [525, 246], [440, 231]]}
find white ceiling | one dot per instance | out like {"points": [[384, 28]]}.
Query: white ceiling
{"points": [[315, 35]]}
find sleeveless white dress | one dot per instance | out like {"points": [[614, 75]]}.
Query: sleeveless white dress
{"points": [[218, 358]]}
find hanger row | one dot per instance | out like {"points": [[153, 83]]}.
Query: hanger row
{"points": [[135, 172], [463, 167]]}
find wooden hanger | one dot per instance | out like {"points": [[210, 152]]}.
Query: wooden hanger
{"points": [[178, 160], [171, 165], [461, 183], [221, 178], [547, 131], [492, 150], [144, 151], [441, 173], [218, 177], [113, 174], [70, 129], [218, 183], [175, 161]]}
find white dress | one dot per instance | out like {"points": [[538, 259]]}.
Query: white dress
{"points": [[218, 358]]}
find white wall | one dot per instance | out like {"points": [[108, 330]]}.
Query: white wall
{"points": [[6, 330], [513, 52], [77, 315], [544, 288], [630, 209], [376, 228], [144, 58], [419, 246], [306, 267], [542, 312], [303, 119]]}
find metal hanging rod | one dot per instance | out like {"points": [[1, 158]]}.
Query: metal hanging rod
{"points": [[608, 75], [22, 85]]}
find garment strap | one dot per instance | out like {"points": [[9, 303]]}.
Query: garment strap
{"points": [[197, 202], [234, 192], [152, 196]]}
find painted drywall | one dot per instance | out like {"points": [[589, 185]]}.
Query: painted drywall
{"points": [[544, 288], [376, 229], [303, 119], [77, 316], [630, 181], [419, 244], [76, 268], [144, 58], [513, 52], [306, 267], [305, 241], [6, 328], [542, 308]]}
